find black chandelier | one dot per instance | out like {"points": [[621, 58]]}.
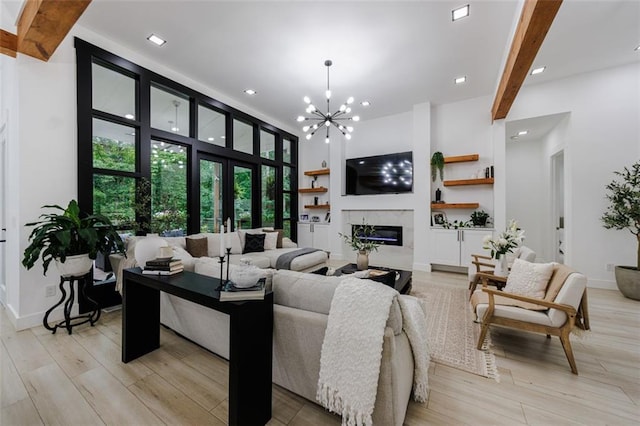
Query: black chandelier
{"points": [[327, 119]]}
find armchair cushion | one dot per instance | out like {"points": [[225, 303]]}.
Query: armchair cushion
{"points": [[529, 279]]}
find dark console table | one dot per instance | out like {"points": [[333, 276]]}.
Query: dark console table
{"points": [[251, 330]]}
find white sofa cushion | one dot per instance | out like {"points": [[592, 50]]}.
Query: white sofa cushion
{"points": [[309, 292]]}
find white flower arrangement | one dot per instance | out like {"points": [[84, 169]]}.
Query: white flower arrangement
{"points": [[508, 240]]}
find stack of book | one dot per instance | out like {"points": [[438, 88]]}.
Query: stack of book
{"points": [[163, 267], [229, 292]]}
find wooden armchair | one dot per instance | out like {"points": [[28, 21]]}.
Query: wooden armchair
{"points": [[563, 308]]}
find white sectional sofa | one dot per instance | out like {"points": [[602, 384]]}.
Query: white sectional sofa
{"points": [[301, 307], [265, 259]]}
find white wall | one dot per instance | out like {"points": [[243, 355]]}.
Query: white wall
{"points": [[44, 153], [462, 128], [602, 135], [527, 185], [409, 131]]}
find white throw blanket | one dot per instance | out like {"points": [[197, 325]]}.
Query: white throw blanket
{"points": [[352, 348]]}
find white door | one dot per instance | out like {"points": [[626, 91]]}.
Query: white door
{"points": [[445, 247], [321, 237], [3, 204], [472, 244], [557, 201], [305, 238]]}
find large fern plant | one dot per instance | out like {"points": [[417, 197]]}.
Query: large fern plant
{"points": [[624, 208]]}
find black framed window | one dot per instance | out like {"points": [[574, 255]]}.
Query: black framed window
{"points": [[154, 155]]}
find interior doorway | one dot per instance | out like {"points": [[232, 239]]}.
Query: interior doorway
{"points": [[3, 215], [535, 182], [557, 197]]}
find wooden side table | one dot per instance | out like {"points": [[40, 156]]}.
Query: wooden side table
{"points": [[69, 322]]}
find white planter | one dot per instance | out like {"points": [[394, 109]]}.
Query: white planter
{"points": [[75, 266]]}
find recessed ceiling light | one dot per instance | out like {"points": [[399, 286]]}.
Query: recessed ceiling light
{"points": [[522, 132], [211, 139], [250, 92], [156, 40], [538, 70], [514, 137], [365, 103], [637, 48], [223, 137], [129, 116], [460, 12], [460, 80]]}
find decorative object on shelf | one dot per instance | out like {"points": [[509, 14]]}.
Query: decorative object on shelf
{"points": [[327, 217], [72, 233], [360, 241], [315, 218], [504, 243], [437, 165], [438, 218], [304, 217], [479, 218], [623, 212], [455, 224], [315, 201], [324, 164], [329, 118], [491, 172], [438, 196]]}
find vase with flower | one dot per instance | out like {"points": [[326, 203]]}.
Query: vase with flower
{"points": [[361, 241], [504, 243]]}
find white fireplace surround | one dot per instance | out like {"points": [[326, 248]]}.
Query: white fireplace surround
{"points": [[400, 257]]}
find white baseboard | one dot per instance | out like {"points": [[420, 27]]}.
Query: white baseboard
{"points": [[425, 267], [604, 284], [35, 319]]}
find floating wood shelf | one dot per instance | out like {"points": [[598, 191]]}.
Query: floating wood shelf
{"points": [[455, 205], [481, 181], [317, 172], [318, 206], [461, 158], [312, 190]]}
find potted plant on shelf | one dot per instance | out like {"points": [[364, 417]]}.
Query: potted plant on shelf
{"points": [[437, 165], [72, 239], [623, 212], [360, 241], [479, 218]]}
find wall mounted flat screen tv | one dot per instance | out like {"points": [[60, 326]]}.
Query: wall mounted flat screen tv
{"points": [[380, 174]]}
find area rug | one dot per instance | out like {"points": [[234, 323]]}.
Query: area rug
{"points": [[453, 334]]}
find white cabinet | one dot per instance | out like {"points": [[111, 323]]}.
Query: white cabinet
{"points": [[454, 247], [313, 235]]}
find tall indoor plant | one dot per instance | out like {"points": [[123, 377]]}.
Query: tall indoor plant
{"points": [[360, 241], [623, 212], [71, 236]]}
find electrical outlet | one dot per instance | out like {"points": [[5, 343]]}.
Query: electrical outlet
{"points": [[609, 267], [50, 290]]}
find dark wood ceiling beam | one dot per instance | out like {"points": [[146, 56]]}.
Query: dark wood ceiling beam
{"points": [[43, 24], [535, 21], [8, 43]]}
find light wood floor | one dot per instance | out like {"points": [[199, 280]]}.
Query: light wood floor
{"points": [[79, 379]]}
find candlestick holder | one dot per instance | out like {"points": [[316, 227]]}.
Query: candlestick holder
{"points": [[228, 261], [221, 262]]}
